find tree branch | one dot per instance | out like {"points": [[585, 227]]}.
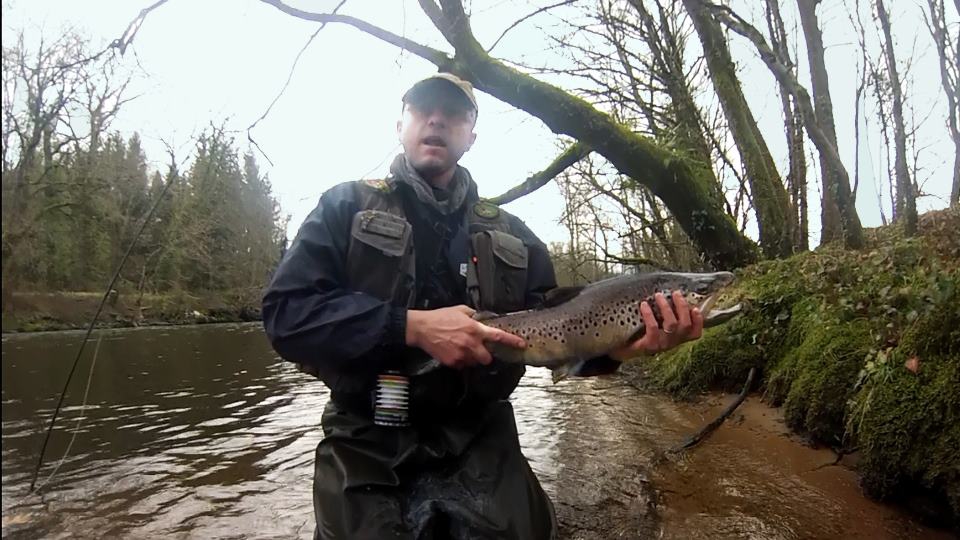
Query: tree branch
{"points": [[434, 56], [568, 157]]}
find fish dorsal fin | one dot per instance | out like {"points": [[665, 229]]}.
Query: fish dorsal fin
{"points": [[559, 295]]}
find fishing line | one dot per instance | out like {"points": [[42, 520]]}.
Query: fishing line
{"points": [[83, 408], [93, 322]]}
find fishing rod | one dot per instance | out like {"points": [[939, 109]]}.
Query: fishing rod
{"points": [[93, 322]]}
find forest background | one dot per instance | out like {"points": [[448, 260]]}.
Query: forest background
{"points": [[77, 177]]}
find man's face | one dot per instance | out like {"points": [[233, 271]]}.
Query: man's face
{"points": [[436, 130]]}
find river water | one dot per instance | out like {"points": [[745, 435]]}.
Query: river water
{"points": [[202, 432]]}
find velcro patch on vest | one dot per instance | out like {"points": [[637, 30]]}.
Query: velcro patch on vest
{"points": [[379, 185], [377, 224], [486, 210]]}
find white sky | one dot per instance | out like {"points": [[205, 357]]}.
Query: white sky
{"points": [[226, 59]]}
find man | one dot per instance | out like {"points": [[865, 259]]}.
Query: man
{"points": [[372, 297]]}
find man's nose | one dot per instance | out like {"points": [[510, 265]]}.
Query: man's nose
{"points": [[436, 117]]}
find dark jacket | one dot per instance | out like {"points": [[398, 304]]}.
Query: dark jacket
{"points": [[312, 316]]}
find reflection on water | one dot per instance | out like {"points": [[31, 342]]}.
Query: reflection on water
{"points": [[202, 432], [193, 432]]}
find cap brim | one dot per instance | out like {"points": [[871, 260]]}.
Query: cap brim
{"points": [[436, 86]]}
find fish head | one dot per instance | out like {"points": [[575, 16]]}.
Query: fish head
{"points": [[698, 289]]}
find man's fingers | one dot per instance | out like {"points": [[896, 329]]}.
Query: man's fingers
{"points": [[499, 336], [696, 320], [683, 312], [649, 319], [666, 312], [651, 337], [481, 354]]}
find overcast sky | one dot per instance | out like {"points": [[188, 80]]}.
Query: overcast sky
{"points": [[215, 60]]}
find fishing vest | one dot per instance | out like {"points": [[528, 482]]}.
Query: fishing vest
{"points": [[381, 262], [381, 259]]}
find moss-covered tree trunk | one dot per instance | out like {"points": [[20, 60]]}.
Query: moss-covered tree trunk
{"points": [[685, 186], [769, 196]]}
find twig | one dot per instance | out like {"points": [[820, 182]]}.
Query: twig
{"points": [[293, 68], [520, 20], [709, 428]]}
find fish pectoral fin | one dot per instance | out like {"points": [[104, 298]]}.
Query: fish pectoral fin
{"points": [[559, 295], [484, 315], [570, 369]]}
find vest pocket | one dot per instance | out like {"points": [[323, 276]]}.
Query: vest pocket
{"points": [[379, 253], [501, 263]]}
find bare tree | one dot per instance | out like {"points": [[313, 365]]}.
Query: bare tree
{"points": [[45, 126], [906, 201], [769, 196], [849, 228], [793, 126], [839, 219], [947, 46]]}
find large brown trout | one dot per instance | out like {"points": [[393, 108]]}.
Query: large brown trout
{"points": [[576, 324]]}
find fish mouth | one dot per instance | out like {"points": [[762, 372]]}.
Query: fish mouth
{"points": [[713, 317], [709, 285]]}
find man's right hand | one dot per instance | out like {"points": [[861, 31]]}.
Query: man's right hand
{"points": [[452, 337]]}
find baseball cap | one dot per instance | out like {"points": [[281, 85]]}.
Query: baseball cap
{"points": [[439, 80]]}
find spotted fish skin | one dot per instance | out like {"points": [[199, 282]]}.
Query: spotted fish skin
{"points": [[597, 319]]}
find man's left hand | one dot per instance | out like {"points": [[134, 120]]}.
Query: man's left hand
{"points": [[680, 324]]}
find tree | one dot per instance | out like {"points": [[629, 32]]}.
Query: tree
{"points": [[793, 126], [905, 208], [769, 196], [684, 187], [836, 190], [947, 46], [839, 219], [44, 131]]}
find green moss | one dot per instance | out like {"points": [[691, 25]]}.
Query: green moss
{"points": [[830, 358], [907, 425], [831, 331], [804, 317]]}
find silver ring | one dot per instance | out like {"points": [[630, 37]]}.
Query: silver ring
{"points": [[665, 331]]}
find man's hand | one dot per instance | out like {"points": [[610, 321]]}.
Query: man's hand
{"points": [[452, 337], [679, 324]]}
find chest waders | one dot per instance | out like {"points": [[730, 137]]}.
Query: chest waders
{"points": [[464, 477]]}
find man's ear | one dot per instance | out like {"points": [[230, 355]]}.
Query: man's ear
{"points": [[399, 127], [473, 139]]}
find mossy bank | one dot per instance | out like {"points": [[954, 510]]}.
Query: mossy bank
{"points": [[862, 349]]}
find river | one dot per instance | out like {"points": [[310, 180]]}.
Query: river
{"points": [[202, 432]]}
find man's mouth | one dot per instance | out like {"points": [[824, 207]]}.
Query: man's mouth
{"points": [[434, 140]]}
